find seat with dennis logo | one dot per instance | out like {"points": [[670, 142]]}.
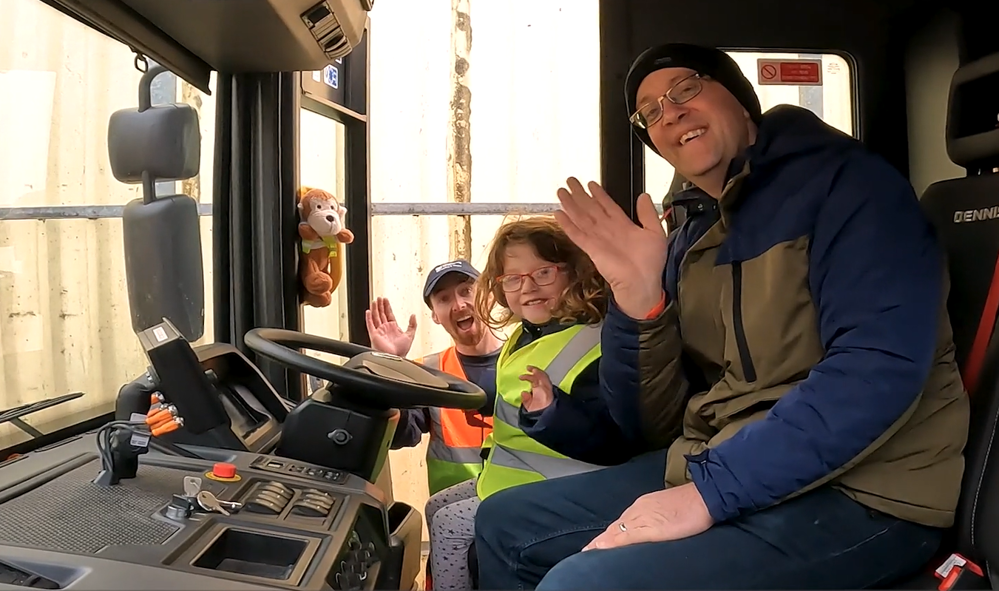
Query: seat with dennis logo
{"points": [[965, 212]]}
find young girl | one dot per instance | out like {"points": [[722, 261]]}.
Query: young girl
{"points": [[535, 276]]}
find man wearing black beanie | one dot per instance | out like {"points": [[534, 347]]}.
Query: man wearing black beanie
{"points": [[787, 349]]}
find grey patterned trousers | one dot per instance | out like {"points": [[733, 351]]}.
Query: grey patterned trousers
{"points": [[451, 523]]}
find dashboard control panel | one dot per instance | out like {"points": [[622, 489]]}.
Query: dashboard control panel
{"points": [[251, 521]]}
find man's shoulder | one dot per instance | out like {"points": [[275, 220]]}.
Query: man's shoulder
{"points": [[798, 147], [440, 353], [796, 194], [799, 185], [852, 178]]}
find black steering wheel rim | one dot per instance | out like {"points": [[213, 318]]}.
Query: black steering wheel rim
{"points": [[282, 346]]}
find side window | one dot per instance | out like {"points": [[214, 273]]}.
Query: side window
{"points": [[322, 163], [64, 318], [775, 78]]}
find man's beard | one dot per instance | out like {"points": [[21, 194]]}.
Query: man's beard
{"points": [[469, 338]]}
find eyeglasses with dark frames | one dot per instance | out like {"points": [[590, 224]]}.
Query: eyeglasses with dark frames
{"points": [[651, 112]]}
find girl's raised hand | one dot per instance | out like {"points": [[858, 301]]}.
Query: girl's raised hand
{"points": [[541, 394]]}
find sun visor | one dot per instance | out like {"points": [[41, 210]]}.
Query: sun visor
{"points": [[260, 35], [194, 37]]}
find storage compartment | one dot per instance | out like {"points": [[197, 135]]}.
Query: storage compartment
{"points": [[11, 575], [253, 554]]}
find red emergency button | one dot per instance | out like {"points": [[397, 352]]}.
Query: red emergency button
{"points": [[223, 470]]}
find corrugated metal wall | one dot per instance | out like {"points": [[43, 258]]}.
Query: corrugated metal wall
{"points": [[534, 121], [64, 322]]}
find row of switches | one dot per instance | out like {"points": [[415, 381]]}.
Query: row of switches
{"points": [[313, 503], [269, 498]]}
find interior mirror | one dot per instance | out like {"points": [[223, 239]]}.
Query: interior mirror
{"points": [[162, 234]]}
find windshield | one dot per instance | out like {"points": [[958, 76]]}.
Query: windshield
{"points": [[64, 316]]}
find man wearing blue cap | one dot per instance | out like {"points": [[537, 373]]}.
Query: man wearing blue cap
{"points": [[456, 436], [455, 452]]}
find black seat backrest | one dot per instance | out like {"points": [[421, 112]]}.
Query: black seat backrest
{"points": [[965, 212]]}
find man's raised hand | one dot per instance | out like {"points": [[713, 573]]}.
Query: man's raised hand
{"points": [[630, 257], [385, 333]]}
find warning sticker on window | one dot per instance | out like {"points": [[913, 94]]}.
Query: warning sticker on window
{"points": [[791, 72]]}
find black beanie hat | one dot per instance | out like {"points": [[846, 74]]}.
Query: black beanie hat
{"points": [[707, 61]]}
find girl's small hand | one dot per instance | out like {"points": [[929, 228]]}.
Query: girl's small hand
{"points": [[541, 394]]}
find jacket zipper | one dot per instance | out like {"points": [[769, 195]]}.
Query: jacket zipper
{"points": [[748, 369]]}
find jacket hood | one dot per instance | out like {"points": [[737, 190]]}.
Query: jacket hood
{"points": [[788, 131], [785, 132]]}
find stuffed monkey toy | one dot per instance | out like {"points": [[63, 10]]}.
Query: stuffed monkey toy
{"points": [[322, 231]]}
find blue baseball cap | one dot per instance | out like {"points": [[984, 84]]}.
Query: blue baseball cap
{"points": [[440, 271]]}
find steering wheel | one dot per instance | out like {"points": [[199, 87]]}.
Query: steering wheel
{"points": [[370, 377]]}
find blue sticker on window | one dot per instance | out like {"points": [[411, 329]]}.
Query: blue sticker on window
{"points": [[331, 76]]}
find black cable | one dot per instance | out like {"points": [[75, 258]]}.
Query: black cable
{"points": [[106, 434], [171, 448]]}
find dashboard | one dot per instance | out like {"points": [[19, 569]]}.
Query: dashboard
{"points": [[290, 524]]}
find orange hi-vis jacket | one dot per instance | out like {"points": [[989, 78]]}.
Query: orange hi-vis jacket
{"points": [[456, 436]]}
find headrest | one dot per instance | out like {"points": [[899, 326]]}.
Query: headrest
{"points": [[973, 115], [163, 140]]}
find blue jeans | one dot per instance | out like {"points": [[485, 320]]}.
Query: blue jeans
{"points": [[531, 536]]}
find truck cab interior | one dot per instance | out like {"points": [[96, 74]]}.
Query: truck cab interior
{"points": [[249, 479]]}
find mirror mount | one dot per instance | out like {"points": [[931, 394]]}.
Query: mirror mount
{"points": [[145, 102], [162, 233]]}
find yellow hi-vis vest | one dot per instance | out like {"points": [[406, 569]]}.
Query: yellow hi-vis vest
{"points": [[516, 458], [456, 436]]}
